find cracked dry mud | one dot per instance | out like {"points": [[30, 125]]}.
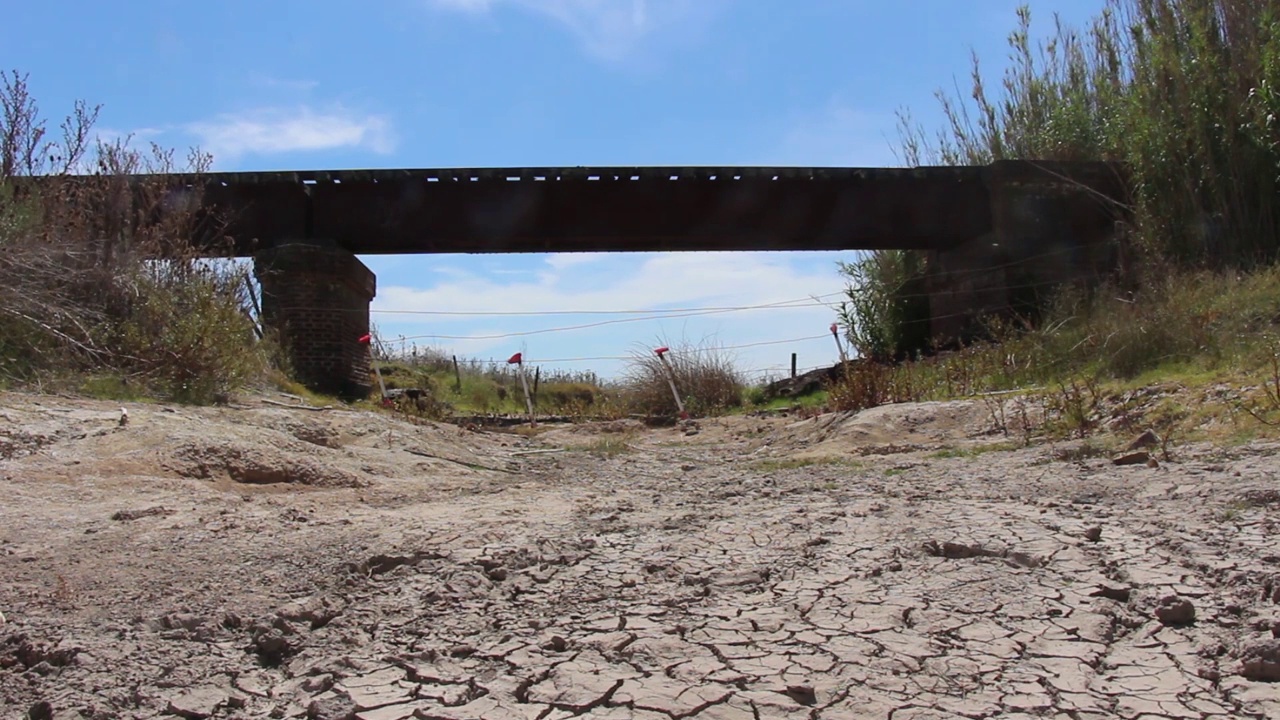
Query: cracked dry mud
{"points": [[344, 565]]}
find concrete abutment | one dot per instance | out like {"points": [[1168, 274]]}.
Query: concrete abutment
{"points": [[316, 299]]}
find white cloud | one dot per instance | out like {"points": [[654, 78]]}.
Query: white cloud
{"points": [[560, 261], [607, 29], [277, 84], [651, 280], [264, 131], [619, 281]]}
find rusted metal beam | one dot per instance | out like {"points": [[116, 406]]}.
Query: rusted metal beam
{"points": [[548, 209]]}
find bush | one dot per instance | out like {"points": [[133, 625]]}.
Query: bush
{"points": [[886, 315], [706, 377], [100, 274]]}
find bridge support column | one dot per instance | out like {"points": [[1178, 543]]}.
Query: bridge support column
{"points": [[316, 299], [1049, 229]]}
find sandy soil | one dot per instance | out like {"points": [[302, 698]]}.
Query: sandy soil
{"points": [[259, 561]]}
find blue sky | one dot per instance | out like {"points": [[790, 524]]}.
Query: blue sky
{"points": [[328, 84]]}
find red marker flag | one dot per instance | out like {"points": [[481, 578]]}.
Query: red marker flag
{"points": [[365, 339], [515, 359], [834, 328], [659, 351]]}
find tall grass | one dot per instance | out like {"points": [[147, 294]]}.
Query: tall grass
{"points": [[487, 387], [885, 315], [1185, 96], [1185, 93]]}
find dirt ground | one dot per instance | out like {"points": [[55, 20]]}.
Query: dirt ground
{"points": [[259, 561]]}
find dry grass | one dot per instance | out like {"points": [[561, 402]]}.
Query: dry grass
{"points": [[705, 376], [99, 273]]}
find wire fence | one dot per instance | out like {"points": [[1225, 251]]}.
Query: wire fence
{"points": [[641, 315]]}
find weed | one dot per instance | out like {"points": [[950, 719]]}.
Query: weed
{"points": [[1075, 407], [1086, 450], [866, 384], [609, 446], [1264, 410], [1233, 512], [705, 376]]}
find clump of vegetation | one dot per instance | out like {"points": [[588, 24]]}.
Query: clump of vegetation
{"points": [[706, 377], [472, 386], [1184, 94], [1205, 324], [609, 446], [105, 282], [886, 311]]}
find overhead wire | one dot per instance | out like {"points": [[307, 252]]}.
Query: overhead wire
{"points": [[686, 312], [781, 304]]}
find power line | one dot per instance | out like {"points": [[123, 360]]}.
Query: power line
{"points": [[585, 326], [660, 312], [692, 351]]}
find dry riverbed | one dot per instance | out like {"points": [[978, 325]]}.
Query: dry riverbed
{"points": [[259, 561]]}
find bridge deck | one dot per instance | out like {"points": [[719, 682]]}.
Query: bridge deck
{"points": [[497, 210]]}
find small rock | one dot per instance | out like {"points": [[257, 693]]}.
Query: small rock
{"points": [[1174, 610], [178, 621], [197, 704], [1134, 458], [274, 641], [1153, 463], [462, 651], [128, 515], [1093, 534], [332, 707], [556, 644], [1148, 439], [318, 684], [40, 711], [802, 694], [1260, 660], [313, 610]]}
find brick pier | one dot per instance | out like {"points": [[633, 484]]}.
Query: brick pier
{"points": [[317, 299]]}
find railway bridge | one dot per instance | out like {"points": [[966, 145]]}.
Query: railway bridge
{"points": [[987, 230]]}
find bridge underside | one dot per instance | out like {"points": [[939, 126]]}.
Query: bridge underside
{"points": [[989, 232], [603, 209]]}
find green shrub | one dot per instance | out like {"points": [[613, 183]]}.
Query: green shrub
{"points": [[1184, 95], [886, 313], [1183, 92]]}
